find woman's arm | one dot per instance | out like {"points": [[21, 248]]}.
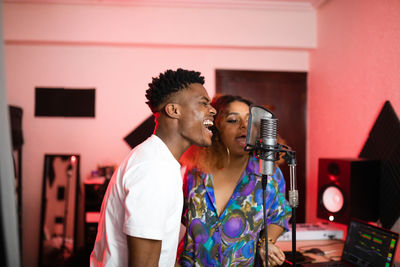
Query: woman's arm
{"points": [[275, 253], [274, 232]]}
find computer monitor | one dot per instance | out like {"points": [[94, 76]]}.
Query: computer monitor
{"points": [[368, 245]]}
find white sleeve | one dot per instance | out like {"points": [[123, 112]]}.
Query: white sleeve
{"points": [[148, 198]]}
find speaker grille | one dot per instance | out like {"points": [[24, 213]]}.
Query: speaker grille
{"points": [[333, 199]]}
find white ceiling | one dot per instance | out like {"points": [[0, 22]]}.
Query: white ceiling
{"points": [[314, 3], [213, 3]]}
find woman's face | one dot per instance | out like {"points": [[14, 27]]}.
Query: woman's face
{"points": [[232, 126]]}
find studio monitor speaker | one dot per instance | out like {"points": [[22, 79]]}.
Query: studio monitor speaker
{"points": [[348, 188]]}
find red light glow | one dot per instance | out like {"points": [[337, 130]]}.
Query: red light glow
{"points": [[73, 159], [333, 178]]}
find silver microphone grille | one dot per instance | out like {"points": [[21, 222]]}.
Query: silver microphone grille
{"points": [[268, 128]]}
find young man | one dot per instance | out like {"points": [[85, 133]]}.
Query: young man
{"points": [[141, 211]]}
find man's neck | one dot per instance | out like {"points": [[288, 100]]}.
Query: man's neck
{"points": [[175, 144]]}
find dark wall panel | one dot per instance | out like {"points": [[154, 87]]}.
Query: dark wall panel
{"points": [[61, 102]]}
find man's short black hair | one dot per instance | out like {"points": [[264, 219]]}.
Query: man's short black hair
{"points": [[170, 82]]}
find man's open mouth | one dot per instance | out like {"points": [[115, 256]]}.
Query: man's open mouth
{"points": [[208, 124]]}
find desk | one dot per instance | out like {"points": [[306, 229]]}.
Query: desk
{"points": [[332, 248]]}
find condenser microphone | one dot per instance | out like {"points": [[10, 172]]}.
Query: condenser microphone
{"points": [[268, 139], [261, 137]]}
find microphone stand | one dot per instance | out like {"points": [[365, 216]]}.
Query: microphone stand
{"points": [[264, 182], [290, 158], [266, 152]]}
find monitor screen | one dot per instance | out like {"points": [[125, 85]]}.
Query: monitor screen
{"points": [[368, 245]]}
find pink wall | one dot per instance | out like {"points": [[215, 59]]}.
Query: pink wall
{"points": [[353, 71]]}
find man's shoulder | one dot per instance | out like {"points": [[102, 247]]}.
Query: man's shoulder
{"points": [[151, 154], [152, 148]]}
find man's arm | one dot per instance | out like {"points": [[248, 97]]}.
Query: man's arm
{"points": [[143, 252]]}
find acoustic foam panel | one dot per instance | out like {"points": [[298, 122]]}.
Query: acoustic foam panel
{"points": [[383, 144], [141, 133], [61, 102]]}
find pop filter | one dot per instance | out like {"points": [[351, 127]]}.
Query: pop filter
{"points": [[254, 125]]}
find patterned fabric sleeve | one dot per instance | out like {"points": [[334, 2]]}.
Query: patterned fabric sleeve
{"points": [[280, 211], [186, 256]]}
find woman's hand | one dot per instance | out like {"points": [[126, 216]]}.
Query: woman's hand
{"points": [[276, 256]]}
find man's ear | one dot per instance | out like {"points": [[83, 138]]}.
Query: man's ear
{"points": [[173, 110]]}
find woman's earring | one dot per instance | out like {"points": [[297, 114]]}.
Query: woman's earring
{"points": [[228, 154]]}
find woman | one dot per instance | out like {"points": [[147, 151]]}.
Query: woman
{"points": [[223, 196]]}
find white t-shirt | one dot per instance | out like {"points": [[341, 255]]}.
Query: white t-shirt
{"points": [[144, 199]]}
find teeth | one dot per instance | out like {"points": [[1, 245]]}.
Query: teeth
{"points": [[208, 123]]}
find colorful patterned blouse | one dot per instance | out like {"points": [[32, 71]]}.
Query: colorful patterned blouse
{"points": [[231, 239]]}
